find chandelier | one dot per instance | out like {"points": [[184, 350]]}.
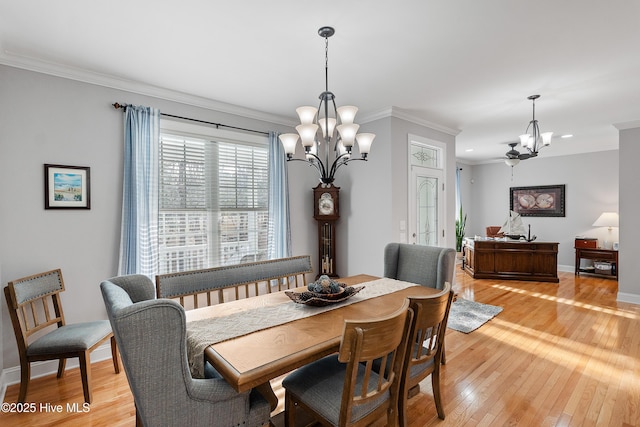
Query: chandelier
{"points": [[535, 140], [327, 133], [532, 142]]}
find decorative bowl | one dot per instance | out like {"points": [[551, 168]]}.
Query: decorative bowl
{"points": [[330, 296], [319, 299]]}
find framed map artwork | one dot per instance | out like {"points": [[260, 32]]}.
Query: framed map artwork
{"points": [[543, 200]]}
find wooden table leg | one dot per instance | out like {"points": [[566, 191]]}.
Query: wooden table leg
{"points": [[413, 391], [267, 392]]}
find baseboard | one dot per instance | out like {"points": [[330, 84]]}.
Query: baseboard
{"points": [[3, 386], [566, 268], [630, 298], [11, 375]]}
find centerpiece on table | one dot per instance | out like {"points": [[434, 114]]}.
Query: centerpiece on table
{"points": [[324, 291], [326, 287]]}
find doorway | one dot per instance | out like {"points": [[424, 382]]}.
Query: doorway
{"points": [[426, 191]]}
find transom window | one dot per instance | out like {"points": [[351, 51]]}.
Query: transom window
{"points": [[425, 155]]}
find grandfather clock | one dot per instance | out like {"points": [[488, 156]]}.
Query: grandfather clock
{"points": [[325, 211]]}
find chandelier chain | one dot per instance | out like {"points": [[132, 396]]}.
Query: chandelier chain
{"points": [[326, 63]]}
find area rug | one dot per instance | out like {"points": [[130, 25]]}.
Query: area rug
{"points": [[467, 316]]}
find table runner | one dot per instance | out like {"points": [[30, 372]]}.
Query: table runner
{"points": [[205, 332]]}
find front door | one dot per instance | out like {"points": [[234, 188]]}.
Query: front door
{"points": [[426, 193]]}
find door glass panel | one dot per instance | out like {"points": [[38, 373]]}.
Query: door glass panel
{"points": [[425, 156], [427, 224]]}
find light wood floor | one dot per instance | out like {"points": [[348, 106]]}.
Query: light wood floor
{"points": [[558, 355]]}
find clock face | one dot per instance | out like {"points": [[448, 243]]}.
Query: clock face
{"points": [[325, 204]]}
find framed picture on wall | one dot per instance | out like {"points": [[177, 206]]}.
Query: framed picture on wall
{"points": [[543, 200], [67, 187]]}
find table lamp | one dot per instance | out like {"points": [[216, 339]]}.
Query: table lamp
{"points": [[607, 219]]}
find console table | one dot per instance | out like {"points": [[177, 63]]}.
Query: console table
{"points": [[598, 254], [511, 260]]}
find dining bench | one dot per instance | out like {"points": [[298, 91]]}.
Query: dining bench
{"points": [[216, 285]]}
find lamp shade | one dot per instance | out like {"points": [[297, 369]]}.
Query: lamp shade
{"points": [[347, 113], [306, 114], [327, 126], [348, 133], [607, 219], [289, 141], [364, 142], [307, 133]]}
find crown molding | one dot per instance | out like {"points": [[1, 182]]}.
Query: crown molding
{"points": [[627, 125], [100, 79], [404, 115], [82, 75]]}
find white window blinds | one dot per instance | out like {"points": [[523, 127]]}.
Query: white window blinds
{"points": [[182, 173], [243, 181], [213, 202]]}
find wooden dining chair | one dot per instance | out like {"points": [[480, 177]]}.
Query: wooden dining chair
{"points": [[425, 346], [42, 334], [343, 389]]}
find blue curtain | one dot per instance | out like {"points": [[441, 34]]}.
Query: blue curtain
{"points": [[279, 238], [139, 233]]}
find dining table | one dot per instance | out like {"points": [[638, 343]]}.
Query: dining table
{"points": [[253, 358]]}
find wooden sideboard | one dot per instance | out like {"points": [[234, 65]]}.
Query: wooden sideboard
{"points": [[511, 260]]}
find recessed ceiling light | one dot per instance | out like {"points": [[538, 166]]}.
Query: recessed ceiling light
{"points": [[569, 135], [468, 150]]}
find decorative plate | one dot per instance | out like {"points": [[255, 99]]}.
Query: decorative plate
{"points": [[320, 300]]}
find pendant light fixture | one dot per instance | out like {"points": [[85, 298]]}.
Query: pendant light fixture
{"points": [[328, 133], [533, 141]]}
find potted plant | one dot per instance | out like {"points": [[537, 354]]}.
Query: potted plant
{"points": [[460, 225]]}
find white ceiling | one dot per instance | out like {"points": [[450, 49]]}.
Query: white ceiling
{"points": [[465, 65]]}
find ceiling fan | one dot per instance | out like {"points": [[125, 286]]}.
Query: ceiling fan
{"points": [[513, 156]]}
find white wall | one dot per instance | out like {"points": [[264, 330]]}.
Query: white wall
{"points": [[466, 191], [377, 195], [629, 285], [591, 188], [365, 217]]}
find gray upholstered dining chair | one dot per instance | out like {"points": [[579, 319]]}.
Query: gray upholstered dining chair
{"points": [[429, 266], [151, 335], [35, 308], [343, 389]]}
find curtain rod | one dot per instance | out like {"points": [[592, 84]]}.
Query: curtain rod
{"points": [[217, 125]]}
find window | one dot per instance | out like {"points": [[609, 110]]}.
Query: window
{"points": [[425, 155], [213, 197]]}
